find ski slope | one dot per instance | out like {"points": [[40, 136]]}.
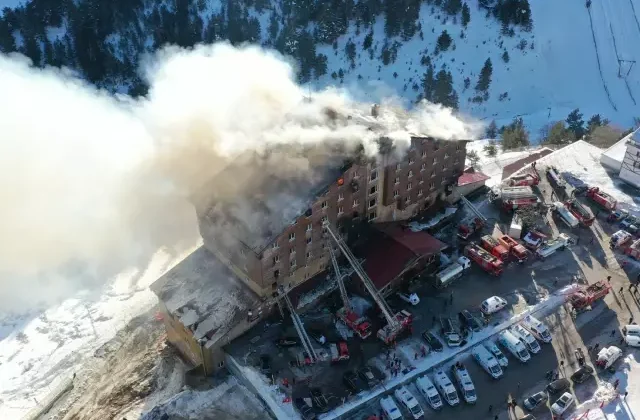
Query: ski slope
{"points": [[555, 73]]}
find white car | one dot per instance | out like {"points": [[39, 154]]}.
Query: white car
{"points": [[561, 405], [493, 305], [409, 298]]}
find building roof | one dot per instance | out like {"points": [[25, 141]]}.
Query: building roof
{"points": [[471, 178], [204, 295], [614, 155], [395, 249], [514, 167]]}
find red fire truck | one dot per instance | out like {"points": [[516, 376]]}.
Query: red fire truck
{"points": [[516, 249], [494, 247], [469, 226], [583, 214], [602, 198], [582, 299], [486, 261]]}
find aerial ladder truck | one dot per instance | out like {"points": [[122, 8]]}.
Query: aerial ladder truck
{"points": [[471, 224], [359, 324], [310, 356], [396, 323]]}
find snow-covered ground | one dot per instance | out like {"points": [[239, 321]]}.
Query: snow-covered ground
{"points": [[40, 350]]}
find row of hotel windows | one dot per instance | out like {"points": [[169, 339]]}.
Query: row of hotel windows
{"points": [[410, 174]]}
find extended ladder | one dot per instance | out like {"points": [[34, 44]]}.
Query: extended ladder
{"points": [[343, 290], [299, 326]]}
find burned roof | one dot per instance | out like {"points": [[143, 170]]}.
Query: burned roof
{"points": [[204, 295]]}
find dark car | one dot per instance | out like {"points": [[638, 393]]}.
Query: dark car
{"points": [[368, 377], [305, 409], [558, 386], [534, 401], [287, 342], [582, 374], [265, 364], [320, 402], [469, 321], [353, 382], [432, 341]]}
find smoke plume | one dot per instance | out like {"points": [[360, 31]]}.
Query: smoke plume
{"points": [[93, 184]]}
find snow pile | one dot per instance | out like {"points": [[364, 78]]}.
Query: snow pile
{"points": [[604, 395]]}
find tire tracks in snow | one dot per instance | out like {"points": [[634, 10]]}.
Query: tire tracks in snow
{"points": [[595, 45]]}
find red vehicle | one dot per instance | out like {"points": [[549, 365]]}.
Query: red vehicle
{"points": [[358, 324], [582, 300], [496, 249], [510, 205], [486, 261], [602, 198], [339, 351], [511, 198], [388, 333], [524, 180], [582, 213], [469, 226], [633, 250], [516, 249]]}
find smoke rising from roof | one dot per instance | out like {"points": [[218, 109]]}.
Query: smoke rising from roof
{"points": [[93, 184]]}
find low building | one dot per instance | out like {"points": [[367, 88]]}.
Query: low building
{"points": [[515, 166], [623, 158], [471, 181], [204, 307]]}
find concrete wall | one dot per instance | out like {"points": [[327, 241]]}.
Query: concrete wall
{"points": [[630, 171]]}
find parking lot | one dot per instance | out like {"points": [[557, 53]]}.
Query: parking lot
{"points": [[521, 285]]}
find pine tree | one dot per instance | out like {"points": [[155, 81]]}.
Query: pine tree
{"points": [[443, 91], [491, 149], [558, 134], [492, 130], [484, 80], [473, 157], [596, 121], [466, 15], [444, 41], [505, 57], [452, 7], [575, 123], [515, 135], [350, 51], [428, 84]]}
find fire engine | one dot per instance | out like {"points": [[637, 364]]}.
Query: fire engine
{"points": [[582, 299], [486, 261], [469, 226], [513, 198], [602, 198], [525, 180], [494, 247], [554, 178], [582, 213], [516, 249]]}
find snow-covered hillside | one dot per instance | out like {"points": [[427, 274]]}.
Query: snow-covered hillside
{"points": [[556, 72]]}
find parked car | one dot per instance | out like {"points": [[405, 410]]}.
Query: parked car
{"points": [[368, 377], [468, 320], [304, 407], [265, 364], [558, 386], [287, 342], [527, 417], [450, 332], [563, 403], [534, 401], [493, 305], [582, 374], [432, 341], [320, 402], [353, 382]]}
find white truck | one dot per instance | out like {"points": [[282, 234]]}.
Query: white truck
{"points": [[390, 410], [429, 392], [538, 329], [407, 399], [565, 215], [495, 351], [553, 245], [411, 298], [515, 229], [487, 361], [465, 384], [608, 356], [452, 272], [527, 338], [446, 388], [514, 346]]}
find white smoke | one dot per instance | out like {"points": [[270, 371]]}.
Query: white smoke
{"points": [[92, 184]]}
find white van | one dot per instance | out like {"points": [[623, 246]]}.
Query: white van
{"points": [[446, 388], [390, 410], [632, 329], [493, 305], [495, 351], [465, 384], [514, 346], [429, 392], [527, 338], [407, 399], [487, 361], [537, 328]]}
